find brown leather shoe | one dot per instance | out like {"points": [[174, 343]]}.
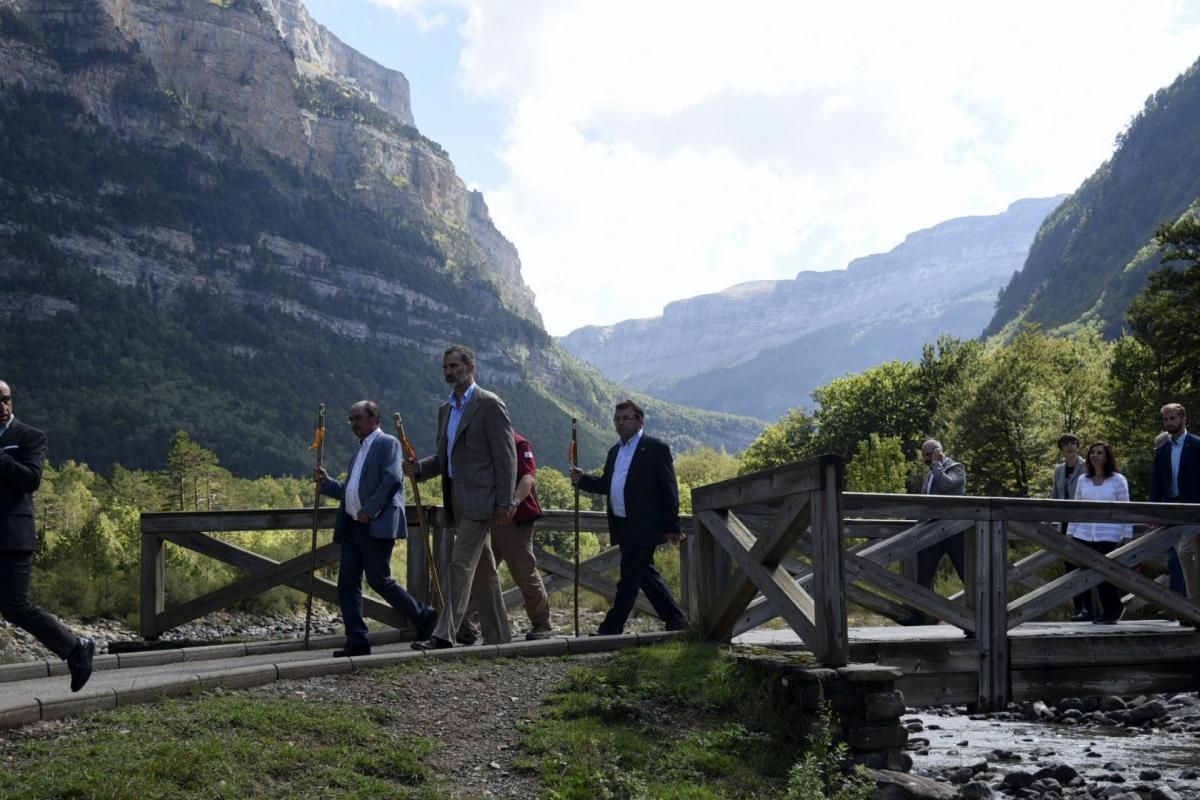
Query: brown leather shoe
{"points": [[543, 630]]}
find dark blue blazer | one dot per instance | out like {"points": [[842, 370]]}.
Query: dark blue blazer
{"points": [[1189, 472], [22, 453], [651, 491], [380, 491]]}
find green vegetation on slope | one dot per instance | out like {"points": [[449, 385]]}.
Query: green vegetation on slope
{"points": [[1084, 266]]}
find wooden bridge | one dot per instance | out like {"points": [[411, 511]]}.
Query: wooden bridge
{"points": [[775, 544]]}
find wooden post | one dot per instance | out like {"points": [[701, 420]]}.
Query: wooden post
{"points": [[708, 584], [991, 614], [153, 580], [687, 576], [417, 572], [832, 645]]}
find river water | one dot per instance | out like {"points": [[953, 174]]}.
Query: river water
{"points": [[956, 741]]}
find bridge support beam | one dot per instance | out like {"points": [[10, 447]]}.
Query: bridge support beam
{"points": [[991, 613]]}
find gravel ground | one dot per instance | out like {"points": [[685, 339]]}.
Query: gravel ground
{"points": [[474, 710]]}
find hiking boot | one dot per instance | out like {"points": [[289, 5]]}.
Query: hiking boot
{"points": [[542, 630]]}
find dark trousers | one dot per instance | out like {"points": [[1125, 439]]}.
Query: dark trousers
{"points": [[1175, 572], [363, 553], [1082, 601], [1110, 596], [928, 558], [16, 571], [638, 572]]}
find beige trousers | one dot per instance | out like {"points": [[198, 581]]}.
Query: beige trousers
{"points": [[513, 544], [472, 564]]}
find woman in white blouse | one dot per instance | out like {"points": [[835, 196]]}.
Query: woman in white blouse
{"points": [[1102, 481]]}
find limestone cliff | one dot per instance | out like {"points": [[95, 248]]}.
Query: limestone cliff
{"points": [[213, 215], [272, 77], [760, 348]]}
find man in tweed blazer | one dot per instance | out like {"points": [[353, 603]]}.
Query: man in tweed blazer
{"points": [[477, 460]]}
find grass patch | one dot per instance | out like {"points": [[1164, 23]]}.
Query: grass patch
{"points": [[222, 746], [678, 720]]}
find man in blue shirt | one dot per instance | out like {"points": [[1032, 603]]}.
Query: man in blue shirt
{"points": [[1176, 479]]}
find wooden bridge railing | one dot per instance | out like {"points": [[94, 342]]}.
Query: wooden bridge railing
{"points": [[194, 531], [760, 546], [754, 523], [760, 522]]}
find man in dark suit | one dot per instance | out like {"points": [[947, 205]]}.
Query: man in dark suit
{"points": [[22, 453], [643, 512], [1176, 479], [477, 459], [370, 519]]}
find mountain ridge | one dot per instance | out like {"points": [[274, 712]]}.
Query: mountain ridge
{"points": [[703, 350], [1093, 254]]}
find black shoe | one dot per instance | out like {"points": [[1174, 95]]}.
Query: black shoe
{"points": [[1083, 616], [80, 662], [353, 650], [433, 643], [1107, 619], [425, 626], [465, 636]]}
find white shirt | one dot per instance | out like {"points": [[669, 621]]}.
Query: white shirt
{"points": [[616, 489], [1115, 487], [353, 503]]}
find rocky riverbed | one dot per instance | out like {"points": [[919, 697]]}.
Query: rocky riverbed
{"points": [[1095, 748]]}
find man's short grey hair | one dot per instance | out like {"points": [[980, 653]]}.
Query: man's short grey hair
{"points": [[1162, 437], [934, 442]]}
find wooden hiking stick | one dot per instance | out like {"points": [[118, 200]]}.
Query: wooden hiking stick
{"points": [[573, 457], [318, 445], [411, 454]]}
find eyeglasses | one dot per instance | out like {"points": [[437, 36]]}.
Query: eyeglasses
{"points": [[354, 417], [624, 419]]}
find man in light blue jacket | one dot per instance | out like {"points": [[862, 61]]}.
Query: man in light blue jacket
{"points": [[370, 519]]}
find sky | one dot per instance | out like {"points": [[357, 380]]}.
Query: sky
{"points": [[642, 152]]}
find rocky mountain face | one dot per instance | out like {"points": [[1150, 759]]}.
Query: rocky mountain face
{"points": [[1092, 256], [760, 348], [214, 215]]}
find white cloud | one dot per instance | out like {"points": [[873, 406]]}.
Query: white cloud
{"points": [[657, 150]]}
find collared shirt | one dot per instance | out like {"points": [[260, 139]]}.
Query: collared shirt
{"points": [[1176, 454], [616, 489], [353, 503], [456, 412]]}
